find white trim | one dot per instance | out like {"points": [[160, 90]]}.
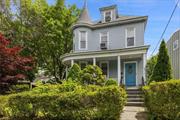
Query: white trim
{"points": [[144, 66], [72, 62], [136, 71], [80, 40], [94, 61], [81, 62], [107, 62], [119, 69], [104, 17], [100, 34], [111, 16], [104, 55], [66, 72], [126, 37]]}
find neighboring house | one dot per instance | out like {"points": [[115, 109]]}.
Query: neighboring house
{"points": [[173, 46], [115, 43]]}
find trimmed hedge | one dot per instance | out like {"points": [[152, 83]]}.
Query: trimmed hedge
{"points": [[163, 100], [68, 101]]}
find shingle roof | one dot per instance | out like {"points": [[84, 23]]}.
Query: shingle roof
{"points": [[121, 18], [119, 21], [84, 16]]}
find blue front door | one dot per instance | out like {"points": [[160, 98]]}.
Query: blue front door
{"points": [[130, 74]]}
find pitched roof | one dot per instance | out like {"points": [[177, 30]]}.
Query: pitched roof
{"points": [[119, 21], [84, 16]]}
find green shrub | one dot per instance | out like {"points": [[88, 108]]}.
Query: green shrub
{"points": [[19, 88], [73, 73], [111, 82], [69, 101], [10, 89], [92, 75], [163, 100]]}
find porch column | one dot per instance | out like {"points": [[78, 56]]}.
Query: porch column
{"points": [[119, 69], [66, 71], [144, 66], [94, 61], [72, 63]]}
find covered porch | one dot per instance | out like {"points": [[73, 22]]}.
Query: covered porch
{"points": [[127, 66]]}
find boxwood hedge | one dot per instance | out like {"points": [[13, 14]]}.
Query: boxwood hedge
{"points": [[163, 100], [68, 101]]}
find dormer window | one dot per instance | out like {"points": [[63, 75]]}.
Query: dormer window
{"points": [[108, 16], [82, 40], [130, 37]]}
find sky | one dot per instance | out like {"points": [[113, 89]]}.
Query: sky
{"points": [[158, 12]]}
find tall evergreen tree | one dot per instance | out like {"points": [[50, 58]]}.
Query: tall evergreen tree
{"points": [[162, 70], [149, 67]]}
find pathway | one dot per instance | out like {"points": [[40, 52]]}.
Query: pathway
{"points": [[134, 113]]}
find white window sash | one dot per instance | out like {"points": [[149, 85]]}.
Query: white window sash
{"points": [[129, 36], [86, 44], [110, 15], [101, 41]]}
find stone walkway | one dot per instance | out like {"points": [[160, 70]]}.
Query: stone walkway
{"points": [[134, 113]]}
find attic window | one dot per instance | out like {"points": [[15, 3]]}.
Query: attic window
{"points": [[108, 16], [175, 45]]}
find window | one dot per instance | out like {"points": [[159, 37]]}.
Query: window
{"points": [[105, 68], [108, 16], [83, 40], [175, 45], [130, 37], [83, 64], [104, 40]]}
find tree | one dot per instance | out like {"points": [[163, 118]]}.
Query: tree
{"points": [[150, 67], [162, 70], [43, 30], [12, 64]]}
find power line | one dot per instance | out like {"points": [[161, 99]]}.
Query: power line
{"points": [[166, 27]]}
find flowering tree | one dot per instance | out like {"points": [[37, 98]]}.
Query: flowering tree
{"points": [[13, 66]]}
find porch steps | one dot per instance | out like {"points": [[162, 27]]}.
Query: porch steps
{"points": [[134, 97]]}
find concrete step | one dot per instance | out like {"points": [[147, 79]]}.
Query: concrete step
{"points": [[134, 96], [135, 104], [135, 100], [133, 88], [134, 92]]}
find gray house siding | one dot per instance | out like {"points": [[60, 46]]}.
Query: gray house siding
{"points": [[174, 54], [117, 37]]}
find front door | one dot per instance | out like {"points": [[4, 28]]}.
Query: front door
{"points": [[130, 74]]}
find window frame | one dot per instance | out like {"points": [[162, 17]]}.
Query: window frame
{"points": [[126, 34], [86, 36], [107, 63], [100, 35], [175, 42], [110, 15]]}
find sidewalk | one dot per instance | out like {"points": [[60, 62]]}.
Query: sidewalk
{"points": [[134, 113]]}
